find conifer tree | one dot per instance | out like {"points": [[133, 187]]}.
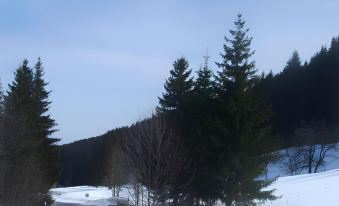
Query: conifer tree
{"points": [[203, 186], [1, 101], [19, 145], [33, 155], [294, 62], [175, 106], [178, 88], [19, 96], [243, 122], [44, 126], [289, 86], [203, 85], [41, 103]]}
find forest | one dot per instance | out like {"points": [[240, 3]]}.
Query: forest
{"points": [[211, 137]]}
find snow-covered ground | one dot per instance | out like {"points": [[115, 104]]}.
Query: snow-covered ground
{"points": [[98, 196], [278, 169], [307, 190], [300, 190]]}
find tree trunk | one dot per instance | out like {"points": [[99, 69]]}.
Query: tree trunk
{"points": [[228, 202]]}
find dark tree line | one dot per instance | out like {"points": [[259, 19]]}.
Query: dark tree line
{"points": [[305, 92], [89, 161], [28, 155]]}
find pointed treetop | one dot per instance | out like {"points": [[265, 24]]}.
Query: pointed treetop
{"points": [[239, 23], [236, 65], [335, 41], [177, 87], [294, 62], [203, 82], [206, 60], [21, 88], [38, 74], [38, 66]]}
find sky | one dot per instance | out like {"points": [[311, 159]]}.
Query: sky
{"points": [[106, 61]]}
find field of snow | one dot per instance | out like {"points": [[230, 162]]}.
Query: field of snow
{"points": [[300, 190], [98, 196], [307, 190]]}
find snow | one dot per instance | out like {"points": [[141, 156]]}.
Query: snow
{"points": [[300, 190], [307, 190], [277, 169], [99, 196]]}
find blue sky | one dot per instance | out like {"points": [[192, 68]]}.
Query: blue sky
{"points": [[106, 61]]}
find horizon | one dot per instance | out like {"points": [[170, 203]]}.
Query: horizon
{"points": [[111, 54]]}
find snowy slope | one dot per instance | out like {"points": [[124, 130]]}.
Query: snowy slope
{"points": [[300, 190], [307, 190], [278, 170]]}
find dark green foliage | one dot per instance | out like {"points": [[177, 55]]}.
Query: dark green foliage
{"points": [[243, 119], [287, 89], [237, 69], [323, 84], [225, 126], [178, 88], [31, 156], [175, 106], [19, 146], [44, 124], [19, 96], [1, 101], [1, 106], [86, 162], [195, 117], [293, 63], [304, 92], [41, 103], [203, 85], [201, 135]]}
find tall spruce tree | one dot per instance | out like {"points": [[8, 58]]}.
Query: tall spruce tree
{"points": [[44, 126], [203, 186], [19, 145], [175, 106], [178, 88], [44, 122], [243, 123], [33, 155]]}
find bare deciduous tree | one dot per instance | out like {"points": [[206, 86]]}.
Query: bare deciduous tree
{"points": [[291, 161], [115, 174], [317, 145], [156, 156]]}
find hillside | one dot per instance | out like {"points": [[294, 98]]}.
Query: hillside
{"points": [[307, 190], [83, 162]]}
